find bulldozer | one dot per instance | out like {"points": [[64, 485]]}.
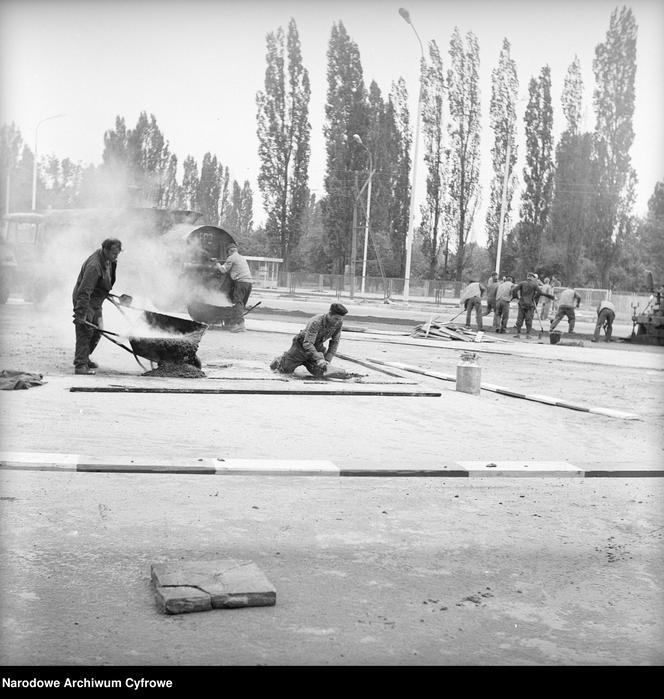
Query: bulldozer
{"points": [[648, 324]]}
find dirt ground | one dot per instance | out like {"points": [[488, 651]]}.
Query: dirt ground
{"points": [[385, 571]]}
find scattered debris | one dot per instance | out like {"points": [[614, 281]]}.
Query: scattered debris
{"points": [[452, 331]]}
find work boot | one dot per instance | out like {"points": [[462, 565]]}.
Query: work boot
{"points": [[592, 339], [92, 365], [84, 370], [237, 329]]}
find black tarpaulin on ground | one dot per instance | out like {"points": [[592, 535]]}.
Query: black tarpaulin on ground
{"points": [[11, 380]]}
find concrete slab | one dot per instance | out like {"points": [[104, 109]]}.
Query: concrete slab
{"points": [[197, 586]]}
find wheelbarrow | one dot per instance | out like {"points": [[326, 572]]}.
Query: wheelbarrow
{"points": [[214, 315], [178, 344]]}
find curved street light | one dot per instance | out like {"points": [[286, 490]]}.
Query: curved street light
{"points": [[34, 164], [358, 140], [411, 218]]}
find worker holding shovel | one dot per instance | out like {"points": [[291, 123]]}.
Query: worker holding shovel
{"points": [[95, 280], [528, 293]]}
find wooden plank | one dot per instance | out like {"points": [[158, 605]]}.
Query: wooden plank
{"points": [[252, 391]]}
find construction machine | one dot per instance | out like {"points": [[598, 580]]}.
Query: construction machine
{"points": [[648, 324]]}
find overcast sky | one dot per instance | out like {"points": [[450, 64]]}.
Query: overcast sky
{"points": [[198, 64]]}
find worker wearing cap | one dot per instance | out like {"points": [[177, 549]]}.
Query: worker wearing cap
{"points": [[242, 282], [606, 314], [528, 293], [569, 299], [308, 346], [95, 280]]}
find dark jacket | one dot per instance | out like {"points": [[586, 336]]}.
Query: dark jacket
{"points": [[95, 280], [319, 329], [528, 292]]}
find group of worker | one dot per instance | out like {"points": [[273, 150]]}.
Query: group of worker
{"points": [[97, 277], [528, 293]]}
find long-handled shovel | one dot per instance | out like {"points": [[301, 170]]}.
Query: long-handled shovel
{"points": [[107, 334]]}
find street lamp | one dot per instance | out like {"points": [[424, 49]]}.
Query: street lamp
{"points": [[358, 140], [411, 220], [34, 164]]}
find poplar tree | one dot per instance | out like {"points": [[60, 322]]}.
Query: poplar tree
{"points": [[538, 171], [190, 182], [345, 115], [209, 189], [432, 227], [614, 67], [463, 139], [400, 141], [502, 111], [284, 140], [572, 186]]}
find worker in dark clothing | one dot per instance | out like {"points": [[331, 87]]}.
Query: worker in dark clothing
{"points": [[606, 314], [491, 289], [569, 299], [308, 346], [242, 282], [528, 293], [95, 280]]}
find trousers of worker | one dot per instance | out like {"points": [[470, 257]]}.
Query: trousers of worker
{"points": [[475, 303], [87, 338], [562, 312], [605, 318], [296, 356], [526, 314], [239, 297], [502, 314]]}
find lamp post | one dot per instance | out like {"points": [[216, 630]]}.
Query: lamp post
{"points": [[411, 218], [34, 164], [358, 140]]}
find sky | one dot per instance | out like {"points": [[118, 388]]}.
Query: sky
{"points": [[197, 65]]}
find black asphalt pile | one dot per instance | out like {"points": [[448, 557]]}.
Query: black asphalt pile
{"points": [[177, 370]]}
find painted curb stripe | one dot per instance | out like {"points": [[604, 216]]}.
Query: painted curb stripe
{"points": [[608, 412], [418, 473], [35, 461]]}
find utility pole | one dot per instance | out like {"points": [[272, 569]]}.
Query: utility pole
{"points": [[353, 244]]}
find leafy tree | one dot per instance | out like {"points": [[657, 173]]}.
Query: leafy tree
{"points": [[209, 190], [11, 145], [399, 142], [190, 184], [284, 135], [170, 191], [464, 139], [614, 66], [435, 158], [569, 224], [346, 114], [538, 172], [504, 91]]}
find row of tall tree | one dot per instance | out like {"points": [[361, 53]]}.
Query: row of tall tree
{"points": [[137, 169], [575, 210]]}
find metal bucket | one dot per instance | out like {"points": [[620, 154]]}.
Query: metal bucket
{"points": [[554, 337]]}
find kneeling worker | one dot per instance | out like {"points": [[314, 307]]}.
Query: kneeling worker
{"points": [[606, 314], [308, 347]]}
